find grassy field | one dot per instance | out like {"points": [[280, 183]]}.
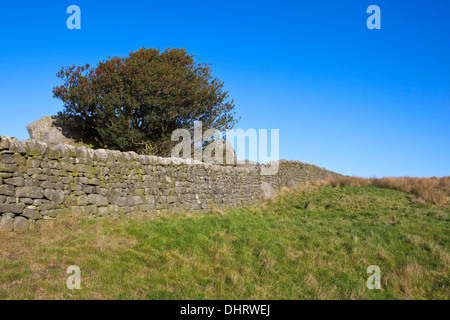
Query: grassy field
{"points": [[314, 243]]}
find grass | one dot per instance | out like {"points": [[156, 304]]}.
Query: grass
{"points": [[431, 191], [314, 243]]}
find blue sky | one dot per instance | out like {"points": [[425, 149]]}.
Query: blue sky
{"points": [[357, 101]]}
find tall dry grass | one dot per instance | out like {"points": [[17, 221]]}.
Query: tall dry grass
{"points": [[431, 191]]}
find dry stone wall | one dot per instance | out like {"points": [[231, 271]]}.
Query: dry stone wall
{"points": [[293, 173], [39, 182]]}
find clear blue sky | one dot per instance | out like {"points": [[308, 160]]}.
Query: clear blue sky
{"points": [[357, 101]]}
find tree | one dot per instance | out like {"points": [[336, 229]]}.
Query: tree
{"points": [[135, 103]]}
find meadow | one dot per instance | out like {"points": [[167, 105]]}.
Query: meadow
{"points": [[315, 242]]}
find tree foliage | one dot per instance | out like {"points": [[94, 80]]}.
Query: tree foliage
{"points": [[135, 103]]}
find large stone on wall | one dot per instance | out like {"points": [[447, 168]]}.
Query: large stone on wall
{"points": [[46, 130]]}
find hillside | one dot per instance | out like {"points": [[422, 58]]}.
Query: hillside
{"points": [[312, 243]]}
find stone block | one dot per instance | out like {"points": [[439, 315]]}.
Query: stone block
{"points": [[6, 190], [30, 192], [17, 181], [20, 224], [30, 212], [7, 222], [56, 196], [98, 200], [12, 208]]}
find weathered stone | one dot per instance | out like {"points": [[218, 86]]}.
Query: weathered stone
{"points": [[81, 152], [268, 191], [49, 214], [247, 163], [88, 189], [113, 209], [7, 167], [30, 192], [11, 200], [56, 196], [57, 152], [171, 199], [82, 200], [102, 191], [20, 161], [68, 167], [7, 222], [77, 211], [150, 199], [103, 211], [11, 145], [33, 163], [291, 184], [12, 208], [22, 169], [94, 182], [92, 210], [82, 168], [5, 143], [35, 147], [47, 130], [7, 190], [137, 200], [48, 206], [72, 150], [34, 171], [46, 185], [7, 158], [101, 155], [18, 181], [54, 164], [31, 213], [57, 186], [120, 201], [26, 200], [20, 224], [130, 201], [97, 200]]}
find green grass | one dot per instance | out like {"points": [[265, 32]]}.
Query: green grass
{"points": [[315, 243]]}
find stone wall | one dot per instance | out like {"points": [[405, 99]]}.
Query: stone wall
{"points": [[38, 181], [292, 173]]}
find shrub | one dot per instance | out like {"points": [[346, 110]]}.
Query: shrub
{"points": [[135, 102]]}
